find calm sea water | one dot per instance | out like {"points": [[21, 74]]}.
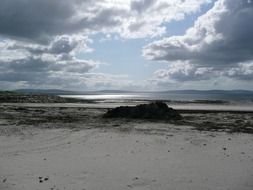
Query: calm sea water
{"points": [[166, 96]]}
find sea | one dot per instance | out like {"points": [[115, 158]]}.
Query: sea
{"points": [[235, 96]]}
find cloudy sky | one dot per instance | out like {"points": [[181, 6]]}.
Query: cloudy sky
{"points": [[126, 44]]}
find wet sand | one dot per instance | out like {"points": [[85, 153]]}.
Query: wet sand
{"points": [[64, 147]]}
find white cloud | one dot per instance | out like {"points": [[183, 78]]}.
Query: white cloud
{"points": [[42, 38], [130, 19], [41, 47], [244, 71], [184, 71], [220, 39]]}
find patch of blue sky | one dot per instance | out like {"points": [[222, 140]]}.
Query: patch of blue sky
{"points": [[124, 57]]}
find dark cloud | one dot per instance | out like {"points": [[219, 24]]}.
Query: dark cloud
{"points": [[244, 71], [141, 5], [62, 45], [40, 20], [224, 35], [220, 39], [68, 44], [43, 70], [35, 18], [42, 38]]}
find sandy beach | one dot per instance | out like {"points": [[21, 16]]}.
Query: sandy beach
{"points": [[57, 146], [126, 94]]}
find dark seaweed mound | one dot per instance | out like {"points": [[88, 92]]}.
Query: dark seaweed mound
{"points": [[155, 110]]}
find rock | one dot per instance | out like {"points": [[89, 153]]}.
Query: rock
{"points": [[155, 110]]}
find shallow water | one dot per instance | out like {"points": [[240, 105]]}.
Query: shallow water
{"points": [[231, 97]]}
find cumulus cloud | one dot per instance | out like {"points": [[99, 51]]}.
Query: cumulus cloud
{"points": [[69, 44], [40, 20], [59, 45], [183, 71], [62, 80], [42, 38], [224, 35], [148, 16], [220, 39], [31, 63], [43, 66], [244, 71]]}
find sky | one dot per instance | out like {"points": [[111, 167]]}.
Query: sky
{"points": [[126, 44]]}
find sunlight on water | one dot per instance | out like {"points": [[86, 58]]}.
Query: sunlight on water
{"points": [[246, 98], [102, 96]]}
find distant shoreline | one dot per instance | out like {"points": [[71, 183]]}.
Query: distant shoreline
{"points": [[169, 95], [196, 106]]}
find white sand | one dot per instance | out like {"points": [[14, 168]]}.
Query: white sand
{"points": [[111, 160]]}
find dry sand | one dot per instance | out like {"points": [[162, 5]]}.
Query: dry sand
{"points": [[88, 152]]}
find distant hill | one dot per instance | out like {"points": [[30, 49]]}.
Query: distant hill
{"points": [[113, 91], [66, 92], [209, 91], [45, 91]]}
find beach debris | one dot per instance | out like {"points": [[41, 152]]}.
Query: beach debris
{"points": [[42, 179], [155, 110]]}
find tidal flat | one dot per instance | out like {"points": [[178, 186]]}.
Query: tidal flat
{"points": [[72, 146]]}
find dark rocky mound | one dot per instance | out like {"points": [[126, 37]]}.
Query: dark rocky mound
{"points": [[156, 111]]}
